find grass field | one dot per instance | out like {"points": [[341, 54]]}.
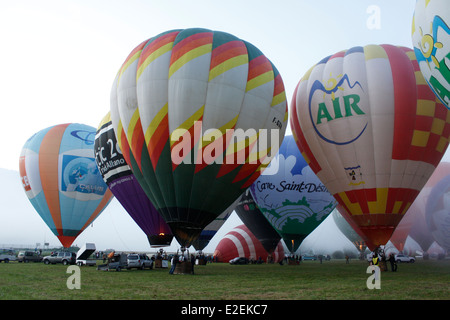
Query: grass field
{"points": [[311, 280]]}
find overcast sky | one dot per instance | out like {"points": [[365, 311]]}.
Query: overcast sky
{"points": [[59, 58]]}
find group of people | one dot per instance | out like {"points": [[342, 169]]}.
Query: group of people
{"points": [[379, 259]]}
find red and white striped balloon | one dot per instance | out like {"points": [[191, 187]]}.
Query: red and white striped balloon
{"points": [[240, 242]]}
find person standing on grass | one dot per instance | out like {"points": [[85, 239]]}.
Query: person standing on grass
{"points": [[393, 263], [192, 263], [375, 259], [173, 263]]}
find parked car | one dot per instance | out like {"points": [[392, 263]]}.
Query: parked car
{"points": [[239, 260], [140, 261], [118, 262], [404, 258], [7, 256], [28, 256], [63, 257], [304, 258]]}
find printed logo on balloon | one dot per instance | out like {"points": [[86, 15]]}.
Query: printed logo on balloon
{"points": [[80, 174], [430, 37], [336, 105], [291, 196], [339, 98]]}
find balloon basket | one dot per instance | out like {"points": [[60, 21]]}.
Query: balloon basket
{"points": [[183, 267], [383, 266], [161, 263], [202, 262]]}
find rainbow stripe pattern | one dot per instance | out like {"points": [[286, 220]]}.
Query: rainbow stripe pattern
{"points": [[191, 103]]}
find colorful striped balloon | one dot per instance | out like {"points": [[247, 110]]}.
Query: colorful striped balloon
{"points": [[241, 242], [191, 104], [123, 184], [372, 130], [61, 179]]}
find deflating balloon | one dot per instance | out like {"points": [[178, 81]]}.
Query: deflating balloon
{"points": [[125, 187], [372, 131], [61, 179], [291, 196], [431, 41], [197, 108]]}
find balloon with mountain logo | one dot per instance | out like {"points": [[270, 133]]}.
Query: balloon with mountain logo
{"points": [[373, 132], [431, 41], [195, 106], [291, 196], [60, 177]]}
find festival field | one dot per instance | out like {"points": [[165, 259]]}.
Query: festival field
{"points": [[331, 280]]}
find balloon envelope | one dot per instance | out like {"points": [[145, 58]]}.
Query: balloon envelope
{"points": [[248, 211], [438, 209], [211, 229], [191, 103], [431, 41], [372, 131], [125, 187], [291, 196], [240, 242], [350, 229], [61, 179]]}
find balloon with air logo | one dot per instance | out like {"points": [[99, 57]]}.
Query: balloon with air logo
{"points": [[290, 195], [431, 41], [61, 179], [373, 132], [193, 105]]}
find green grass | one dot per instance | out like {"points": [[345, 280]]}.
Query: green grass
{"points": [[310, 280]]}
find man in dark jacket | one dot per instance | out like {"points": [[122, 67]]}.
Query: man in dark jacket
{"points": [[393, 263]]}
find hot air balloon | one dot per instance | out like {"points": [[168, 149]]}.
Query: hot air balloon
{"points": [[61, 179], [211, 229], [248, 211], [372, 131], [291, 196], [401, 233], [419, 231], [351, 230], [240, 242], [431, 41], [438, 208], [416, 215], [125, 187], [203, 113]]}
